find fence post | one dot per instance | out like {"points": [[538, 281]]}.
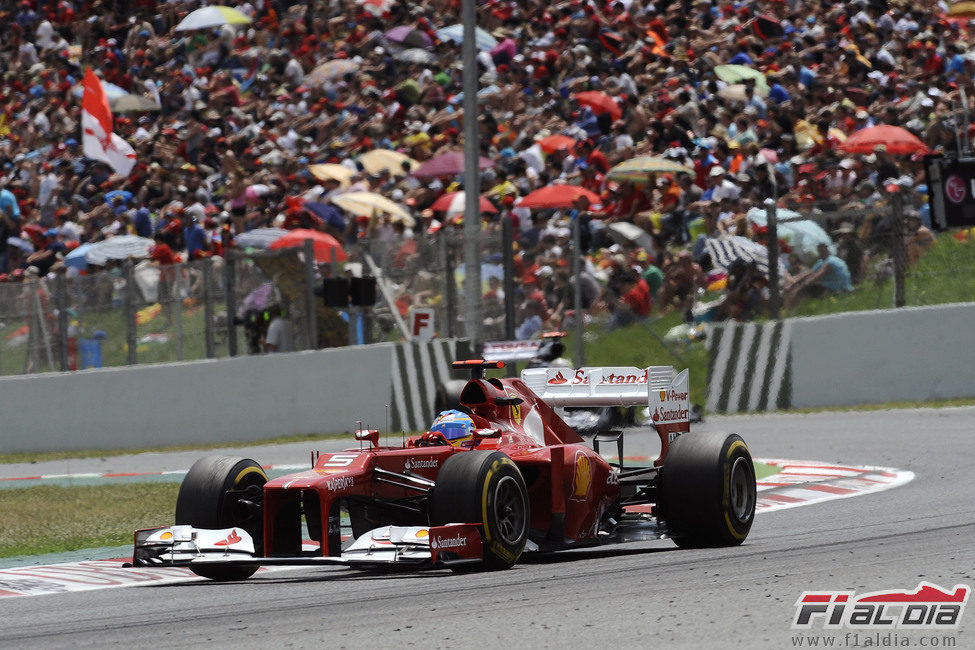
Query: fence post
{"points": [[580, 355], [508, 260], [775, 297], [177, 298], [61, 300], [230, 282], [129, 306], [208, 324], [450, 283], [897, 244], [311, 329]]}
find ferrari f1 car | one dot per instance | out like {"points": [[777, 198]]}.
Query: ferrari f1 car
{"points": [[476, 490]]}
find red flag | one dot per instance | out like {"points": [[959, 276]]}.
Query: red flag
{"points": [[98, 140]]}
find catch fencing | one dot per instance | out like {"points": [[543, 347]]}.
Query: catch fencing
{"points": [[886, 245], [138, 312]]}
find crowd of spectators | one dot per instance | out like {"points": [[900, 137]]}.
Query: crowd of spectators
{"points": [[241, 117]]}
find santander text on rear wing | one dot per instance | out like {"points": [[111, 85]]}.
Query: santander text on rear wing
{"points": [[661, 388]]}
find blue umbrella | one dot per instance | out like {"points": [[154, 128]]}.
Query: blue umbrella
{"points": [[455, 33], [111, 90], [76, 258], [802, 235], [327, 213]]}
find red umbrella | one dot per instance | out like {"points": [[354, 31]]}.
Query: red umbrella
{"points": [[453, 202], [553, 143], [448, 164], [896, 139], [324, 243], [557, 196], [600, 103]]}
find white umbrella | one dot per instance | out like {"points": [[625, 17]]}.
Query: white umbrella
{"points": [[119, 248], [259, 237], [213, 16], [455, 33], [415, 55], [130, 103]]}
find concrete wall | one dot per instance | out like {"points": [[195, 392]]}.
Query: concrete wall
{"points": [[244, 398], [909, 354], [915, 353]]}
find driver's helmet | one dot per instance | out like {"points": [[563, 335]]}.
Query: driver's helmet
{"points": [[454, 425]]}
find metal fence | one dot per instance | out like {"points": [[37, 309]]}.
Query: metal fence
{"points": [[891, 254], [139, 312]]}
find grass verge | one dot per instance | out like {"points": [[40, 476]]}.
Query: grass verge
{"points": [[49, 519]]}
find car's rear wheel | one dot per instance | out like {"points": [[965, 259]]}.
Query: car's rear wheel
{"points": [[482, 487], [223, 492], [707, 490]]}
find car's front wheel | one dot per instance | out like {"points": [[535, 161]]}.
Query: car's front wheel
{"points": [[221, 492], [484, 487]]}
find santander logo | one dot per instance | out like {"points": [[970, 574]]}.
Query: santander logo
{"points": [[558, 379], [448, 542]]}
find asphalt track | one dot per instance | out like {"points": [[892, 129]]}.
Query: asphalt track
{"points": [[633, 596]]}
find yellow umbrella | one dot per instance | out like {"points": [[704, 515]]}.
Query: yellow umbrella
{"points": [[732, 73], [377, 160], [962, 9], [807, 135], [332, 172], [370, 203], [639, 169]]}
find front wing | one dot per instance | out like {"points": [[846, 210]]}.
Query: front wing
{"points": [[419, 546]]}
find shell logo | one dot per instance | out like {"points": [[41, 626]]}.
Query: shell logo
{"points": [[663, 396], [582, 478], [166, 535], [422, 533]]}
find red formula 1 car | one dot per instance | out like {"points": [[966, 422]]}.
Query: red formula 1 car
{"points": [[483, 488]]}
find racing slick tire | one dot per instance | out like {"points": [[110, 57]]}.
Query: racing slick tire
{"points": [[204, 502], [707, 490], [484, 487]]}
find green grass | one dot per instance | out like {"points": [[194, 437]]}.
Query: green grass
{"points": [[763, 470], [50, 519], [945, 274]]}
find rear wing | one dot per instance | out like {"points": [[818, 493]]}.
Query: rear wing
{"points": [[510, 350], [661, 388]]}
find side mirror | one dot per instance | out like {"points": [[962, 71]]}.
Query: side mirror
{"points": [[372, 435]]}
